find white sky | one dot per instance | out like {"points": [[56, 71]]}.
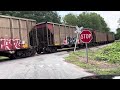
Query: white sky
{"points": [[111, 17]]}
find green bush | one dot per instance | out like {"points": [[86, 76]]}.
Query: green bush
{"points": [[109, 53]]}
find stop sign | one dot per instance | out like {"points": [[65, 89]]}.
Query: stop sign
{"points": [[86, 36]]}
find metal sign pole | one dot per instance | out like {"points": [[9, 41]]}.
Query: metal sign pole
{"points": [[86, 52], [76, 42]]}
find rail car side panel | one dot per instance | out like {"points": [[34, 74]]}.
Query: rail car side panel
{"points": [[50, 34], [23, 25], [105, 37], [57, 35], [110, 37], [14, 33], [62, 34], [98, 35], [5, 34], [15, 28]]}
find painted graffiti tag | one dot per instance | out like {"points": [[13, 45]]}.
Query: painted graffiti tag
{"points": [[9, 44], [69, 40]]}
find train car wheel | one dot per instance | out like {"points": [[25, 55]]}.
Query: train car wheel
{"points": [[12, 56], [53, 49], [33, 52], [38, 51], [23, 55]]}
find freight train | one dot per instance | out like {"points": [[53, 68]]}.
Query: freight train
{"points": [[20, 37]]}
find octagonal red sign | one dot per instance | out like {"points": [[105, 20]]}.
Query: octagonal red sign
{"points": [[86, 36]]}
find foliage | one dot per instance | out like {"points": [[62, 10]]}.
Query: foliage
{"points": [[70, 19], [2, 58], [39, 16], [117, 35], [110, 53], [103, 61], [87, 20], [93, 68]]}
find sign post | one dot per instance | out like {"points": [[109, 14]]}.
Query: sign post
{"points": [[76, 42], [86, 37], [86, 52]]}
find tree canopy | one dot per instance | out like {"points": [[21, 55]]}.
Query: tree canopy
{"points": [[87, 20], [70, 19], [39, 16], [117, 35]]}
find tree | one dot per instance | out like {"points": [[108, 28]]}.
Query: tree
{"points": [[87, 20], [39, 16], [117, 35], [70, 19], [105, 28], [94, 21]]}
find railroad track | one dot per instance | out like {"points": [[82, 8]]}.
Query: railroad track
{"points": [[58, 50]]}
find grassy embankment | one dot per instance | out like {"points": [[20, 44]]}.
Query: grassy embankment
{"points": [[102, 61]]}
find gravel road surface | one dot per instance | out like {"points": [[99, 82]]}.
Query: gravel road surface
{"points": [[44, 66]]}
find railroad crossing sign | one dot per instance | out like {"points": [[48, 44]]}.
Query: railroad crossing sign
{"points": [[86, 37], [78, 31]]}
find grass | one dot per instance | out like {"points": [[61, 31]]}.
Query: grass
{"points": [[83, 53], [1, 57], [96, 65], [110, 53]]}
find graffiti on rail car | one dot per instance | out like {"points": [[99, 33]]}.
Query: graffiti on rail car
{"points": [[9, 44], [70, 40]]}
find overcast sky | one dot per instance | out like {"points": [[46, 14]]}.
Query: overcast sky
{"points": [[111, 17]]}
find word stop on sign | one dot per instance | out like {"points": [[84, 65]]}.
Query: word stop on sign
{"points": [[86, 36]]}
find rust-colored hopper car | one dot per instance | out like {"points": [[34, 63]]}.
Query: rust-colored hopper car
{"points": [[14, 36], [52, 36]]}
